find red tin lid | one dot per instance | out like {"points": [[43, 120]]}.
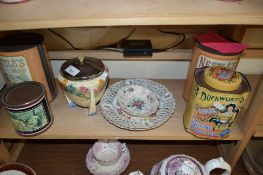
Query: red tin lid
{"points": [[216, 44]]}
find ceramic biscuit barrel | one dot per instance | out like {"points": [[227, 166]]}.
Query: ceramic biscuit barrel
{"points": [[23, 57], [213, 105], [28, 107]]}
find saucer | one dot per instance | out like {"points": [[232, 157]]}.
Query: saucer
{"points": [[16, 169], [115, 169], [137, 100], [116, 115]]}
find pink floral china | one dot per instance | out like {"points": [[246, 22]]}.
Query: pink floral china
{"points": [[186, 165], [137, 100], [16, 169], [108, 158], [84, 81], [107, 152]]}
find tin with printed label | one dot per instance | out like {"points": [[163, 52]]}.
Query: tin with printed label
{"points": [[203, 56], [28, 107], [23, 57], [217, 95]]}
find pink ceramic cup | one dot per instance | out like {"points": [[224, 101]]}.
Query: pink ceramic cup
{"points": [[107, 152]]}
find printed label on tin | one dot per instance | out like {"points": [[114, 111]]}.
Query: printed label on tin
{"points": [[15, 69], [72, 70], [212, 114], [207, 61], [30, 120]]}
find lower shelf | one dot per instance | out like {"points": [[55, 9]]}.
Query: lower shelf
{"points": [[68, 157], [76, 124]]}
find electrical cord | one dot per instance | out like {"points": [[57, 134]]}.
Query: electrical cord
{"points": [[174, 45], [67, 41], [112, 49], [100, 48], [121, 49]]}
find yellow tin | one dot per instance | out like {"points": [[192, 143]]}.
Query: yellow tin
{"points": [[210, 112]]}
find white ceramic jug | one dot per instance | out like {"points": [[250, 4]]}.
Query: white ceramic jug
{"points": [[183, 164]]}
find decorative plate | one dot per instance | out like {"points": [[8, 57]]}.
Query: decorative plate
{"points": [[115, 114], [137, 100]]}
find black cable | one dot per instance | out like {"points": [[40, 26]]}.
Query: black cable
{"points": [[112, 49], [121, 50], [119, 42], [55, 33], [174, 45], [101, 48]]}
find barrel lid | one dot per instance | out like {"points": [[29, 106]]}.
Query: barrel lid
{"points": [[222, 78], [244, 86], [82, 68], [23, 95], [20, 41]]}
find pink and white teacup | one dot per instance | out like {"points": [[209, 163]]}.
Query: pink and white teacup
{"points": [[107, 152]]}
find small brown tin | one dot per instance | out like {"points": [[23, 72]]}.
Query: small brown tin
{"points": [[28, 108]]}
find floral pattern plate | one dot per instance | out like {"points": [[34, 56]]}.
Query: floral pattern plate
{"points": [[137, 100], [113, 113]]}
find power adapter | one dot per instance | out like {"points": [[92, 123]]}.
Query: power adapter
{"points": [[137, 48]]}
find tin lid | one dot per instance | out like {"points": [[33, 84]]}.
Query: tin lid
{"points": [[222, 78], [20, 41], [23, 95], [219, 45], [213, 51], [82, 68], [244, 86]]}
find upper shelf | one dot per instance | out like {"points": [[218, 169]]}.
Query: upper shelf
{"points": [[36, 14]]}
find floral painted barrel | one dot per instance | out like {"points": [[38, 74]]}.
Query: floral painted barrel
{"points": [[83, 80], [28, 108]]}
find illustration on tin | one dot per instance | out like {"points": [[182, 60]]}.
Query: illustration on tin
{"points": [[215, 120], [30, 120], [15, 69]]}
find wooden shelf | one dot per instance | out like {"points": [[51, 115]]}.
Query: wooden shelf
{"points": [[75, 124], [38, 14], [258, 132]]}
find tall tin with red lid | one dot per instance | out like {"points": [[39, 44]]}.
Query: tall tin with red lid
{"points": [[212, 50], [28, 108]]}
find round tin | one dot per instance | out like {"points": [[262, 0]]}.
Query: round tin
{"points": [[210, 113], [204, 56], [23, 57], [28, 107]]}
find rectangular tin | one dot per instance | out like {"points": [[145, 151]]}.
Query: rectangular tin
{"points": [[210, 113]]}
